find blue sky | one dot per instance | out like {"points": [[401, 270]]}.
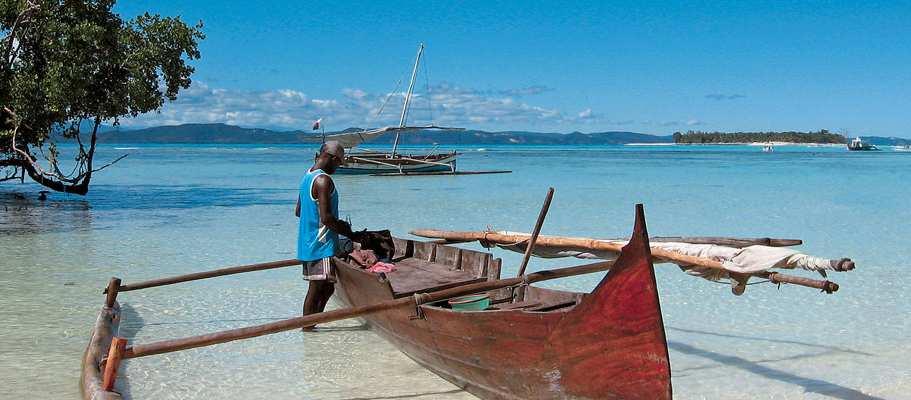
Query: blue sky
{"points": [[650, 67]]}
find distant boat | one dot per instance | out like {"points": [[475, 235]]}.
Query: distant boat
{"points": [[768, 148], [859, 145], [906, 147], [394, 162]]}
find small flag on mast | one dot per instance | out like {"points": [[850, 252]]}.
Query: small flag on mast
{"points": [[316, 124]]}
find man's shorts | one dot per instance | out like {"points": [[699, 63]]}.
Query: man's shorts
{"points": [[319, 270], [323, 270]]}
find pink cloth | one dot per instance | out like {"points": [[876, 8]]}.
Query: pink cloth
{"points": [[382, 267], [363, 258]]}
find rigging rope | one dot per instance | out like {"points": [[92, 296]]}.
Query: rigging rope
{"points": [[389, 96]]}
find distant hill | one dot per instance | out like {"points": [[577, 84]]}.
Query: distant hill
{"points": [[229, 134], [886, 141]]}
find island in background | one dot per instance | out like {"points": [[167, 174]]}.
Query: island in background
{"points": [[230, 134], [697, 137]]}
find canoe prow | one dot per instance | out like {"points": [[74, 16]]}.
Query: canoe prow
{"points": [[543, 344], [624, 311]]}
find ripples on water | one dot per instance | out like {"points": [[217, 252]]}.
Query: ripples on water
{"points": [[173, 209]]}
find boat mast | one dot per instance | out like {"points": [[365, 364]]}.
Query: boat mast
{"points": [[414, 73]]}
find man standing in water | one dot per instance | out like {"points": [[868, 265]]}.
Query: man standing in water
{"points": [[319, 230]]}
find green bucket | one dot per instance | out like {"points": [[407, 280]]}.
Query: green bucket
{"points": [[475, 302]]}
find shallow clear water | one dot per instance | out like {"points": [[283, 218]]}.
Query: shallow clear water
{"points": [[173, 209]]}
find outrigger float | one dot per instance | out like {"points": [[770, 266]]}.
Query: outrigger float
{"points": [[530, 343]]}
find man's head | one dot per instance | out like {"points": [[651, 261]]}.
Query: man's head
{"points": [[331, 156]]}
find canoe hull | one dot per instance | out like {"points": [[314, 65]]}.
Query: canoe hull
{"points": [[382, 164], [611, 344]]}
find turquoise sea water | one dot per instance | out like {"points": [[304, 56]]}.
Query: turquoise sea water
{"points": [[174, 209]]}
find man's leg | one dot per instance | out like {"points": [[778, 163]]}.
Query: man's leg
{"points": [[325, 294], [318, 294]]}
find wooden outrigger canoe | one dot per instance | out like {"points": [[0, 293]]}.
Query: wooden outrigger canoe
{"points": [[547, 344], [531, 343], [380, 163]]}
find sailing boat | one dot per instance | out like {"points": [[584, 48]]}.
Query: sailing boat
{"points": [[394, 162]]}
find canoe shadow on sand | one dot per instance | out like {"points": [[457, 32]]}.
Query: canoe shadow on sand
{"points": [[133, 323], [810, 385]]}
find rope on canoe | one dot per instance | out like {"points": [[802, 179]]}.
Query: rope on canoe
{"points": [[419, 298]]}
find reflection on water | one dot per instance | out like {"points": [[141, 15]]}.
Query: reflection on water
{"points": [[25, 214], [167, 210]]}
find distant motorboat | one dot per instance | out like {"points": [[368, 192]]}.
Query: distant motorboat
{"points": [[906, 147], [769, 148], [859, 145]]}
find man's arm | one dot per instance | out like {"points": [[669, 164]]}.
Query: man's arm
{"points": [[323, 188], [297, 208]]}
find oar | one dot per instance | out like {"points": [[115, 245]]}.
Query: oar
{"points": [[534, 233]]}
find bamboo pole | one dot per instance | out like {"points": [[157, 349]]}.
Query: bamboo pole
{"points": [[207, 274], [825, 286], [534, 234]]}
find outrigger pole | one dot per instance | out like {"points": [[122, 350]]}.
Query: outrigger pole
{"points": [[414, 72]]}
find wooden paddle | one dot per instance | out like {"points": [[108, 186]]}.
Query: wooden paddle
{"points": [[534, 234]]}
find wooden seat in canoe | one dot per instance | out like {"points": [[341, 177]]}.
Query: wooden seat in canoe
{"points": [[428, 267], [414, 275]]}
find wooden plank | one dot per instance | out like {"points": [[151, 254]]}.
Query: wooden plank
{"points": [[474, 262], [413, 275], [401, 247], [424, 251], [517, 306], [449, 256]]}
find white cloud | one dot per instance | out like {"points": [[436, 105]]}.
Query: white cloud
{"points": [[723, 96], [445, 105], [292, 109]]}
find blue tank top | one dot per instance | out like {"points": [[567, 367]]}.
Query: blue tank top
{"points": [[314, 240]]}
